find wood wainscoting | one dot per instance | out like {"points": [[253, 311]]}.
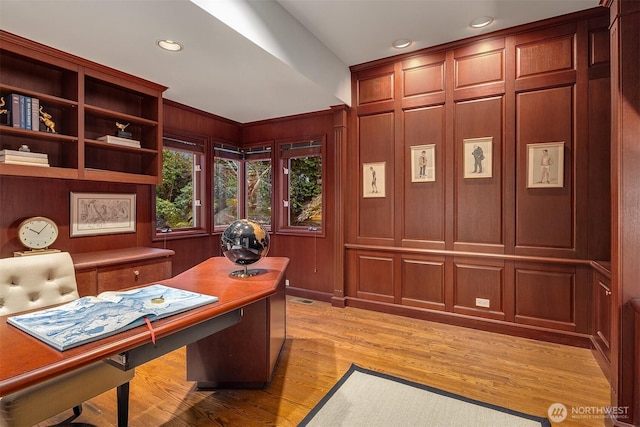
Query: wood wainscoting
{"points": [[323, 341]]}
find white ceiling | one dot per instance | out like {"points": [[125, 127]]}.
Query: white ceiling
{"points": [[258, 59]]}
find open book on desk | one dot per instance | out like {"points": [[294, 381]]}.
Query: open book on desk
{"points": [[92, 318]]}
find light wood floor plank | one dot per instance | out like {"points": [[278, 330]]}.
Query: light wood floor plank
{"points": [[323, 341]]}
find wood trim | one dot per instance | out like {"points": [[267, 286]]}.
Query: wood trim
{"points": [[509, 257]]}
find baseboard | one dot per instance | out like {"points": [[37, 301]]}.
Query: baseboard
{"points": [[306, 293]]}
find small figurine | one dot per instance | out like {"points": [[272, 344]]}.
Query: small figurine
{"points": [[24, 148], [121, 126], [4, 113], [48, 123], [121, 132]]}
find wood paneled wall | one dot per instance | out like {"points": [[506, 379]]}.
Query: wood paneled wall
{"points": [[484, 248], [311, 272], [21, 198]]}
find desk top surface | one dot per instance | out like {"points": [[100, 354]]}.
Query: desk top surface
{"points": [[25, 361]]}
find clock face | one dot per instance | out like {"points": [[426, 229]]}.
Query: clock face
{"points": [[37, 232]]}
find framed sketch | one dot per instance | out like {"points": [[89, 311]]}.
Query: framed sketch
{"points": [[478, 157], [423, 164], [102, 213], [545, 165], [373, 179]]}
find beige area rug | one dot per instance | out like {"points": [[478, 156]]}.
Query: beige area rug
{"points": [[368, 398]]}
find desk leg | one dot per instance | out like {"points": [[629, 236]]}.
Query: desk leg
{"points": [[123, 405]]}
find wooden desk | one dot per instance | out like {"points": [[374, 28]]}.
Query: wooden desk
{"points": [[26, 361]]}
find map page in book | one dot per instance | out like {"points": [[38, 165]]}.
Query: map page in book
{"points": [[92, 318]]}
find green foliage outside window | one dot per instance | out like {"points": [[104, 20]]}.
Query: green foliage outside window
{"points": [[305, 191], [174, 197], [225, 191], [259, 191]]}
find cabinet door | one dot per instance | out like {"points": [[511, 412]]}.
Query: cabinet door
{"points": [[122, 276]]}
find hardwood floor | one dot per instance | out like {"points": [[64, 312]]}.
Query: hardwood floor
{"points": [[323, 341]]}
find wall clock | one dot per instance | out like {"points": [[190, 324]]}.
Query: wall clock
{"points": [[37, 234]]}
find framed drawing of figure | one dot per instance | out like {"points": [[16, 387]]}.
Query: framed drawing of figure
{"points": [[373, 179], [423, 164], [545, 165], [478, 157]]}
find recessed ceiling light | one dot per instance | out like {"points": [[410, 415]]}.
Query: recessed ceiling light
{"points": [[481, 22], [169, 45], [401, 43]]}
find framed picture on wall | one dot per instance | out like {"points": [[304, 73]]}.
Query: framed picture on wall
{"points": [[545, 165], [93, 214], [373, 179], [423, 165], [478, 157]]}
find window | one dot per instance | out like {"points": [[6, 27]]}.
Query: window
{"points": [[226, 188], [179, 197], [303, 196], [242, 185], [259, 191]]}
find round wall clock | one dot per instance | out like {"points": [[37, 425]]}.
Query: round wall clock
{"points": [[37, 232]]}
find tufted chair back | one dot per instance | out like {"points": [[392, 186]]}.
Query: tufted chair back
{"points": [[36, 281]]}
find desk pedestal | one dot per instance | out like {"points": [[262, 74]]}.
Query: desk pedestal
{"points": [[244, 355]]}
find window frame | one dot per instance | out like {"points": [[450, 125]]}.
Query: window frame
{"points": [[229, 152], [196, 144], [256, 152], [295, 148]]}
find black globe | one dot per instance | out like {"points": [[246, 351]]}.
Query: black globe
{"points": [[244, 242]]}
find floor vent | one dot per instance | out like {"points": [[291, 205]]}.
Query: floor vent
{"points": [[304, 301]]}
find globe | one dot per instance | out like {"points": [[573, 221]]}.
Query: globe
{"points": [[244, 242]]}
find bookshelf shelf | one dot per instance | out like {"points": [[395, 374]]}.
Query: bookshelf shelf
{"points": [[85, 101]]}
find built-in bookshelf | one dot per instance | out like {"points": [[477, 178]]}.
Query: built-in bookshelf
{"points": [[84, 100]]}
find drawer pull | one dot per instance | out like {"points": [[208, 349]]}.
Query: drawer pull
{"points": [[136, 273]]}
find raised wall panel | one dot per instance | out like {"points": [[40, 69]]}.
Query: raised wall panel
{"points": [[424, 201], [545, 297], [479, 68], [423, 75], [423, 282], [375, 89], [375, 278], [545, 217], [477, 285], [599, 47], [376, 146], [545, 56], [478, 201]]}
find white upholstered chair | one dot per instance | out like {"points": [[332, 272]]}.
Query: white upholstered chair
{"points": [[37, 281]]}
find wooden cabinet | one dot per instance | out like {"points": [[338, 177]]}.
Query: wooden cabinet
{"points": [[246, 354], [120, 269], [85, 100], [601, 320]]}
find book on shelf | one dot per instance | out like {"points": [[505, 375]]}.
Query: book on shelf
{"points": [[16, 157], [23, 154], [22, 162], [35, 114], [111, 139], [25, 112], [15, 110], [91, 318]]}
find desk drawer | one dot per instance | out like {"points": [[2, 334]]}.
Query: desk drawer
{"points": [[126, 275]]}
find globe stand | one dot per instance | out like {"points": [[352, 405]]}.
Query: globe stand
{"points": [[245, 273]]}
